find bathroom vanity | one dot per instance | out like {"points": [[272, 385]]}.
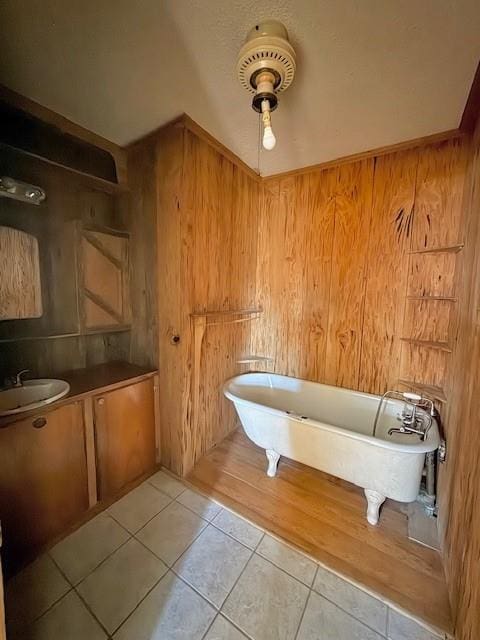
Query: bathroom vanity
{"points": [[66, 461]]}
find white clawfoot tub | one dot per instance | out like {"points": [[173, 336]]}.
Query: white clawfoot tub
{"points": [[331, 429]]}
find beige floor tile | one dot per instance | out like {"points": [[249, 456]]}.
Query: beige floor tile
{"points": [[171, 532], [84, 549], [32, 591], [238, 528], [67, 620], [325, 621], [199, 504], [171, 611], [139, 506], [291, 561], [167, 484], [115, 588], [222, 629], [212, 564], [266, 603], [402, 628], [358, 603]]}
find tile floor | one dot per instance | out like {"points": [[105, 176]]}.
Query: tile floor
{"points": [[166, 563]]}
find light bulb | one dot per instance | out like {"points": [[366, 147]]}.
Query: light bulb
{"points": [[269, 140]]}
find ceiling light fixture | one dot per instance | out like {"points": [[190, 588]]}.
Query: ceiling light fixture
{"points": [[265, 67], [17, 190]]}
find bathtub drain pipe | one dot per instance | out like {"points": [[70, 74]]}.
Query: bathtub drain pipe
{"points": [[427, 496]]}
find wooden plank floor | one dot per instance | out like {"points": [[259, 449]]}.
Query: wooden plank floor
{"points": [[325, 517]]}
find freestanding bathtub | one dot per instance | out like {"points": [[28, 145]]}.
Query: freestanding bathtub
{"points": [[331, 429]]}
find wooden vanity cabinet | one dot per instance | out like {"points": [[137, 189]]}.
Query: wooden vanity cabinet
{"points": [[124, 436], [43, 479]]}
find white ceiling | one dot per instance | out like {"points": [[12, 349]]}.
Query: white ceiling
{"points": [[370, 72]]}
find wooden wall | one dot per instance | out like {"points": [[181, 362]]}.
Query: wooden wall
{"points": [[206, 209], [356, 270], [139, 213], [459, 516]]}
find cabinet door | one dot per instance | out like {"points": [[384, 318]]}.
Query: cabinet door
{"points": [[43, 479], [125, 436]]}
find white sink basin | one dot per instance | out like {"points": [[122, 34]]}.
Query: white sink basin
{"points": [[31, 395]]}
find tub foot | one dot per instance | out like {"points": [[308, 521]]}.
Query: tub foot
{"points": [[273, 457], [375, 501]]}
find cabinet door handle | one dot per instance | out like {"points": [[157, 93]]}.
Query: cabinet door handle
{"points": [[101, 401], [38, 423]]}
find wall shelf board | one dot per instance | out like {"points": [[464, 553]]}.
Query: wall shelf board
{"points": [[54, 336], [446, 298], [210, 318], [254, 359], [436, 392], [94, 181], [430, 344], [60, 336], [219, 313], [455, 248], [108, 329]]}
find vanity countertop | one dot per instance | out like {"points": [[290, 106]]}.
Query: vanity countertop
{"points": [[89, 381]]}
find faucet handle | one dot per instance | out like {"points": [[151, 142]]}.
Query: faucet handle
{"points": [[18, 377]]}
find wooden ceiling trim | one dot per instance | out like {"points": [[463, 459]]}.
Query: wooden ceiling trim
{"points": [[184, 121], [373, 153]]}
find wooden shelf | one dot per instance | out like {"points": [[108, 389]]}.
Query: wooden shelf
{"points": [[209, 318], [445, 298], [430, 344], [94, 181], [436, 392], [74, 334], [455, 248], [254, 359], [221, 313]]}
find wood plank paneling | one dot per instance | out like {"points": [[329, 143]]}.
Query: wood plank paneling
{"points": [[353, 209], [293, 290], [393, 198], [347, 324], [439, 194], [332, 281], [207, 226], [459, 515], [140, 214], [172, 316], [219, 221], [432, 274], [428, 320]]}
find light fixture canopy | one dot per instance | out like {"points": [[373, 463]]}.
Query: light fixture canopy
{"points": [[265, 67]]}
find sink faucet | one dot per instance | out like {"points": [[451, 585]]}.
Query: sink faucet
{"points": [[16, 380]]}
